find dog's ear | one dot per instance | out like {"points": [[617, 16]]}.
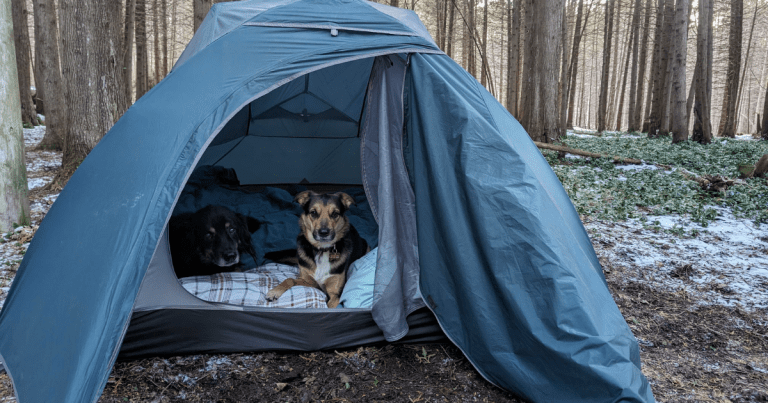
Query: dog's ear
{"points": [[245, 228], [346, 199], [251, 223], [303, 197]]}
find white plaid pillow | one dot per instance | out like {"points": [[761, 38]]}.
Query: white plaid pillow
{"points": [[250, 288]]}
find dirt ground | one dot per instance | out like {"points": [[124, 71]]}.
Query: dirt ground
{"points": [[691, 352]]}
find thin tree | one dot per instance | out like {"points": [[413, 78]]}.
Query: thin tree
{"points": [[49, 80], [727, 127], [702, 123], [679, 122], [14, 204], [666, 90], [633, 82], [142, 55], [573, 66], [637, 124], [484, 72], [620, 110], [451, 22], [93, 76], [764, 133], [513, 49], [164, 17], [744, 71], [24, 62], [607, 36], [128, 42]]}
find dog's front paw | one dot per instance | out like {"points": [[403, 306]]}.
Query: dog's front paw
{"points": [[274, 294]]}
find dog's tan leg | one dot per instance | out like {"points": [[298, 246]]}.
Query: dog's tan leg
{"points": [[333, 287], [276, 292]]}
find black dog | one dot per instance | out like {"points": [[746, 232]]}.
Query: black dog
{"points": [[210, 241], [327, 244]]}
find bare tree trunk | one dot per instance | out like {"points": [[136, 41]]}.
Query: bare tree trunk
{"points": [[764, 133], [548, 16], [619, 113], [14, 204], [578, 33], [156, 41], [201, 8], [513, 72], [50, 81], [679, 123], [617, 58], [23, 61], [634, 85], [638, 115], [130, 32], [484, 72], [702, 122], [528, 85], [608, 34], [744, 71], [667, 50], [562, 95], [659, 69], [164, 25], [93, 76], [142, 55], [728, 117], [451, 23], [439, 20]]}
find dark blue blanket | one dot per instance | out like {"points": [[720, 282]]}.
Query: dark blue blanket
{"points": [[273, 207]]}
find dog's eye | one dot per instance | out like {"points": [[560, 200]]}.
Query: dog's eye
{"points": [[208, 235], [231, 230], [335, 215], [314, 214]]}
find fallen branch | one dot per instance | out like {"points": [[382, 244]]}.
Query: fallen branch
{"points": [[586, 153]]}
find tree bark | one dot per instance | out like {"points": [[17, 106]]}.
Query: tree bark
{"points": [[200, 10], [549, 15], [608, 34], [164, 26], [727, 127], [50, 81], [93, 76], [638, 115], [528, 87], [142, 55], [128, 42], [679, 123], [619, 112], [635, 86], [573, 68], [451, 23], [513, 49], [744, 72], [23, 61], [666, 93], [484, 56], [764, 133], [653, 120], [702, 123], [14, 204]]}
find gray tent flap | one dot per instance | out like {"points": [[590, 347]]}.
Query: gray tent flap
{"points": [[386, 182]]}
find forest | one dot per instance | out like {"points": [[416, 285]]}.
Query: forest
{"points": [[690, 69]]}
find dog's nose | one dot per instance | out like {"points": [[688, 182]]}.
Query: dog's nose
{"points": [[230, 256], [324, 232]]}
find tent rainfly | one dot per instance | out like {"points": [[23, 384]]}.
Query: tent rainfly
{"points": [[477, 240]]}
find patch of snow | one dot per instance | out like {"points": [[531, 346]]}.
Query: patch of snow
{"points": [[729, 257]]}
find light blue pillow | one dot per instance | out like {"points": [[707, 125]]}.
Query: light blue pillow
{"points": [[358, 290]]}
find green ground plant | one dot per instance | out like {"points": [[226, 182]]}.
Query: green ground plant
{"points": [[601, 190]]}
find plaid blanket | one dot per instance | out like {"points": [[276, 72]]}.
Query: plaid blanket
{"points": [[250, 288]]}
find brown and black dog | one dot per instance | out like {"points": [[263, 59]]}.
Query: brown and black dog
{"points": [[327, 244], [210, 241]]}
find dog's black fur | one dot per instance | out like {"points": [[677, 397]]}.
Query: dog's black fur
{"points": [[210, 241], [327, 244]]}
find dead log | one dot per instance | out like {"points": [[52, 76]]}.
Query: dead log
{"points": [[583, 153]]}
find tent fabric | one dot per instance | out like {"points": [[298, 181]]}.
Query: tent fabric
{"points": [[502, 258], [507, 252]]}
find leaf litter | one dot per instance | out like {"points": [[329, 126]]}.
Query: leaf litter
{"points": [[689, 272]]}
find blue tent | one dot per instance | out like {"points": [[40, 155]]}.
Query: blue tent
{"points": [[474, 229]]}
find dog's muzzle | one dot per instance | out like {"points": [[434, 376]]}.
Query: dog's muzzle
{"points": [[324, 235]]}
